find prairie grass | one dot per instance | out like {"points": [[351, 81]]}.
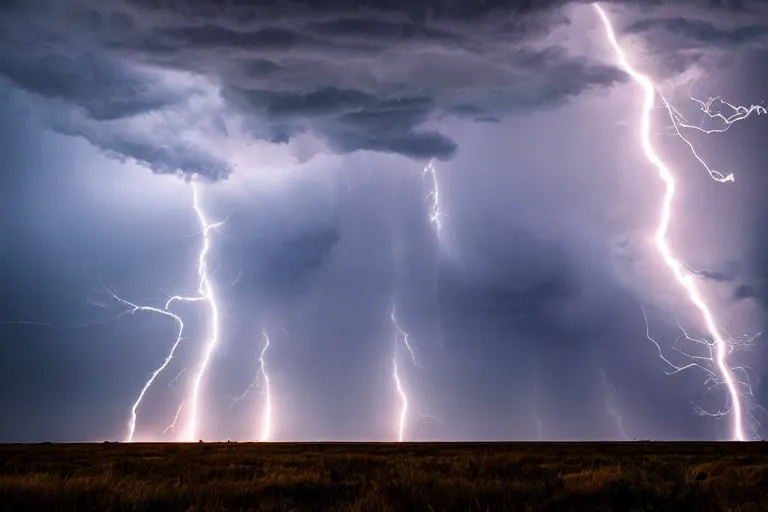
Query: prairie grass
{"points": [[432, 477]]}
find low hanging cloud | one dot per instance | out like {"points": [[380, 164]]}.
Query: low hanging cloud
{"points": [[360, 75]]}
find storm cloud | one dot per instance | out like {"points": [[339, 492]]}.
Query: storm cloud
{"points": [[360, 75]]}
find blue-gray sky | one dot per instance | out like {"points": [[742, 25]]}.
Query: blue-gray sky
{"points": [[309, 129]]}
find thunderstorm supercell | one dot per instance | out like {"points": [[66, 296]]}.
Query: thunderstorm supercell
{"points": [[383, 220]]}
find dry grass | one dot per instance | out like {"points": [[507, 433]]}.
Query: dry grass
{"points": [[675, 477]]}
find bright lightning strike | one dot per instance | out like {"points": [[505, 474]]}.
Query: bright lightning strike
{"points": [[266, 423], [132, 309], [159, 369], [403, 401], [205, 293], [684, 278], [400, 335]]}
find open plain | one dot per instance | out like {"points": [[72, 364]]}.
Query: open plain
{"points": [[641, 476]]}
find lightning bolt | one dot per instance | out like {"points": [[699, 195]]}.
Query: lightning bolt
{"points": [[435, 215], [435, 218], [205, 293], [159, 369], [683, 278], [133, 309], [400, 335], [403, 400], [266, 423]]}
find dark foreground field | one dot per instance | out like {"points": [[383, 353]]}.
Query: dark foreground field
{"points": [[676, 477]]}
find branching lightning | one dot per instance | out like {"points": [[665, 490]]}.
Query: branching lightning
{"points": [[205, 293], [159, 369], [684, 278], [266, 422], [738, 113]]}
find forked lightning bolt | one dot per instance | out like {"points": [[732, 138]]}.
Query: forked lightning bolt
{"points": [[163, 366], [684, 278], [266, 422], [205, 293], [738, 113], [400, 335]]}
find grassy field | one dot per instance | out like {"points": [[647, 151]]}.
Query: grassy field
{"points": [[675, 477]]}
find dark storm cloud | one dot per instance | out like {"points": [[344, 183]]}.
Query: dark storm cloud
{"points": [[361, 75], [176, 156], [82, 92], [679, 37], [295, 73], [104, 89], [696, 33]]}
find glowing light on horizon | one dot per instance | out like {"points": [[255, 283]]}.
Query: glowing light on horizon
{"points": [[682, 276]]}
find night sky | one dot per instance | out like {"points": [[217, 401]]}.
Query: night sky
{"points": [[306, 126]]}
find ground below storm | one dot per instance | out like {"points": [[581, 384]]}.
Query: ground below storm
{"points": [[386, 477]]}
